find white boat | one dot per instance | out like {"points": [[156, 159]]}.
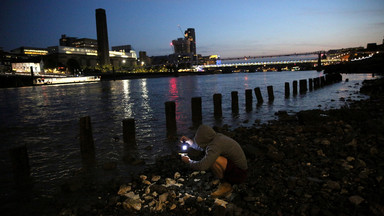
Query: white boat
{"points": [[63, 80]]}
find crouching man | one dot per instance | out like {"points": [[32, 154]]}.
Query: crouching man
{"points": [[223, 156]]}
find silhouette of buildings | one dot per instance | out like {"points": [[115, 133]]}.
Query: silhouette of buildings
{"points": [[67, 41], [186, 45], [181, 46], [122, 48], [185, 49], [190, 36], [76, 42], [144, 59]]}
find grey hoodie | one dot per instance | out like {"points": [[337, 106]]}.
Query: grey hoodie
{"points": [[215, 145]]}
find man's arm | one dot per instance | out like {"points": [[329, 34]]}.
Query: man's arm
{"points": [[195, 146], [191, 143], [207, 161]]}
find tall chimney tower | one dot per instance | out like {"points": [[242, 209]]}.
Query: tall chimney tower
{"points": [[102, 37]]}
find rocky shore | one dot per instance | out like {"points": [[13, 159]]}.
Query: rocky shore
{"points": [[312, 163]]}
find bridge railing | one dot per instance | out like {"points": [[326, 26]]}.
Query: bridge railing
{"points": [[268, 63]]}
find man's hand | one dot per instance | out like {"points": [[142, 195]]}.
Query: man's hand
{"points": [[185, 159], [187, 140]]}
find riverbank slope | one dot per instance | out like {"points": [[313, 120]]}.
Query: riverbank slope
{"points": [[312, 163]]}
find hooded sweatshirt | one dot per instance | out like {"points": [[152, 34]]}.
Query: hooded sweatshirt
{"points": [[215, 145]]}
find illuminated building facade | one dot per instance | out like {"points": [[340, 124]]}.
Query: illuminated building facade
{"points": [[77, 58], [30, 51], [25, 67], [102, 37], [85, 43]]}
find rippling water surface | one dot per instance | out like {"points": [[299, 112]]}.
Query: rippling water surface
{"points": [[45, 118]]}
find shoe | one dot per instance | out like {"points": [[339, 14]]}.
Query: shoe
{"points": [[223, 190]]}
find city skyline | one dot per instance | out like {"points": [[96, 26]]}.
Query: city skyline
{"points": [[226, 28]]}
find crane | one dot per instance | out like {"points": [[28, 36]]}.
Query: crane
{"points": [[180, 30]]}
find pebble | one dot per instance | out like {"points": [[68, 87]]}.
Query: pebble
{"points": [[124, 189], [220, 202], [357, 200], [173, 207], [320, 153], [194, 173], [216, 182], [333, 185], [325, 142], [350, 158], [176, 175], [156, 178], [130, 203], [146, 182]]}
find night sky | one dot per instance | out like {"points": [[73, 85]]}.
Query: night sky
{"points": [[226, 27]]}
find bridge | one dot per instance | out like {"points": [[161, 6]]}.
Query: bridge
{"points": [[273, 56], [277, 63]]}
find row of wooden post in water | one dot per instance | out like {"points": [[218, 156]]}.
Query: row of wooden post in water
{"points": [[304, 86], [19, 155]]}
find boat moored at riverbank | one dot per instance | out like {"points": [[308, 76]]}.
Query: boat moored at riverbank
{"points": [[64, 80]]}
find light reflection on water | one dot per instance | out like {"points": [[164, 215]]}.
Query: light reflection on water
{"points": [[45, 118]]}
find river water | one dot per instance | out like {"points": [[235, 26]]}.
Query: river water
{"points": [[46, 118]]}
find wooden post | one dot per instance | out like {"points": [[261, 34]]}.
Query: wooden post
{"points": [[196, 110], [322, 81], [258, 95], [217, 106], [248, 100], [303, 86], [271, 97], [310, 84], [170, 115], [129, 131], [87, 146], [287, 92], [114, 73], [294, 87], [20, 165], [319, 68], [316, 83], [235, 102], [32, 75]]}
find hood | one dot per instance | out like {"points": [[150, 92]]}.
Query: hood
{"points": [[204, 135]]}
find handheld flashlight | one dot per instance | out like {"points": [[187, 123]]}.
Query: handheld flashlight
{"points": [[184, 148]]}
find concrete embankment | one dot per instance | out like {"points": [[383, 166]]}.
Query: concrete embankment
{"points": [[8, 81]]}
